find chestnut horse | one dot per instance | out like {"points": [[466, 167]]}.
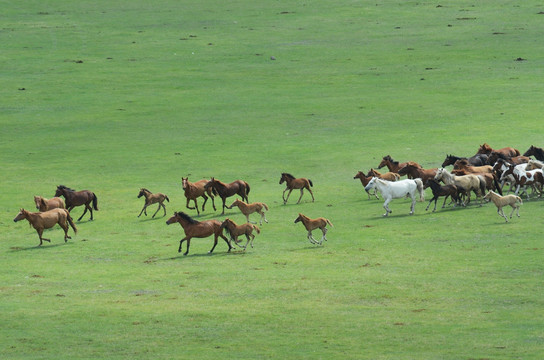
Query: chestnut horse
{"points": [[392, 165], [195, 190], [238, 187], [365, 180], [463, 164], [389, 176], [508, 151], [537, 152], [44, 204], [151, 199], [415, 172], [247, 209], [295, 183], [516, 160], [312, 224], [198, 229], [46, 220], [233, 230], [78, 198]]}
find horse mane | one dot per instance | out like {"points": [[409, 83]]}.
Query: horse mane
{"points": [[388, 157], [65, 188], [187, 218], [539, 151], [144, 189], [288, 175]]}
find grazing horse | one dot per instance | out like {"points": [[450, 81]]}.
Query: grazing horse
{"points": [[523, 178], [198, 229], [463, 164], [44, 204], [415, 172], [537, 152], [467, 182], [501, 201], [233, 230], [508, 151], [476, 160], [295, 183], [238, 187], [389, 176], [312, 224], [365, 180], [439, 190], [395, 190], [247, 209], [46, 220], [78, 198], [195, 190], [392, 165], [151, 199], [496, 156]]}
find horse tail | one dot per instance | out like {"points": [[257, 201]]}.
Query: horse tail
{"points": [[420, 189], [497, 185], [265, 206], [71, 221], [482, 185], [519, 200], [329, 222], [166, 197], [247, 189], [257, 229], [95, 202], [311, 183]]}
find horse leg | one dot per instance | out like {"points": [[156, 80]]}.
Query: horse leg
{"points": [[413, 206], [227, 241], [40, 232], [311, 238], [84, 212], [263, 216], [301, 192], [187, 204], [188, 238], [196, 206], [288, 194], [224, 206], [429, 204], [204, 204], [311, 193], [501, 213], [386, 207], [158, 208], [324, 237], [213, 201], [64, 227], [143, 209]]}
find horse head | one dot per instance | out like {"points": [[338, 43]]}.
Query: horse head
{"points": [[371, 184], [21, 215], [184, 181]]}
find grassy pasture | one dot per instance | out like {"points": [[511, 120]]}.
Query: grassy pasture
{"points": [[114, 96]]}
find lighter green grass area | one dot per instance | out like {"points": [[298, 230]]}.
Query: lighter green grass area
{"points": [[114, 96]]}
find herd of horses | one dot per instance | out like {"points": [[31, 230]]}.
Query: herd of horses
{"points": [[486, 173]]}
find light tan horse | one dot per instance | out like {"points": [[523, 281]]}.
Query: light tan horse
{"points": [[500, 201], [151, 199], [247, 209], [196, 190], [467, 182], [46, 220], [198, 229], [312, 224], [295, 183], [44, 204], [234, 230]]}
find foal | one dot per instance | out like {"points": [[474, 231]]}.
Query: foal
{"points": [[312, 224], [501, 201], [233, 231], [46, 220], [248, 209], [295, 183], [151, 199], [439, 190]]}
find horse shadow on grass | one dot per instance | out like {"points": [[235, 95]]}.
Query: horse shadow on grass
{"points": [[37, 247]]}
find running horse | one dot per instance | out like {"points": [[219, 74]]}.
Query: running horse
{"points": [[238, 187], [468, 182], [365, 180], [44, 204], [537, 152], [234, 230], [46, 220], [508, 151], [196, 190], [415, 172], [476, 160], [247, 209], [394, 166], [312, 224], [151, 199], [293, 183], [78, 198], [198, 229], [396, 190]]}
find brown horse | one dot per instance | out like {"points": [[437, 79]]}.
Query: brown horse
{"points": [[247, 209], [365, 180], [507, 151], [195, 190], [151, 199], [415, 172], [389, 176], [198, 229], [463, 164], [78, 198], [293, 183], [516, 160], [44, 204], [476, 160], [238, 187], [439, 190], [234, 230], [46, 220], [394, 166], [312, 224]]}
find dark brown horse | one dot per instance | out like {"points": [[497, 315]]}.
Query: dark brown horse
{"points": [[78, 198], [537, 152], [46, 220], [295, 183], [198, 229], [238, 187], [516, 160], [394, 166], [196, 190], [508, 151], [442, 190], [476, 160], [415, 172]]}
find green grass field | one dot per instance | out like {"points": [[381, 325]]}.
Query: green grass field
{"points": [[115, 96]]}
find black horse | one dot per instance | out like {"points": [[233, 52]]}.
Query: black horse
{"points": [[537, 152], [476, 160]]}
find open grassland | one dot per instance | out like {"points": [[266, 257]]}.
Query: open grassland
{"points": [[114, 96]]}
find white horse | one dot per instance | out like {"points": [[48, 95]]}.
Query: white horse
{"points": [[396, 190]]}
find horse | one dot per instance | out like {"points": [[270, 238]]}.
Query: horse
{"points": [[312, 224], [475, 160], [195, 190], [198, 229], [500, 167], [501, 201], [78, 198], [508, 151], [46, 220], [534, 164], [365, 180], [234, 230], [238, 187], [463, 164], [415, 172], [392, 165], [537, 152], [395, 190], [523, 178], [151, 199], [439, 190], [44, 204], [389, 176], [295, 183], [248, 209], [467, 182], [495, 156]]}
